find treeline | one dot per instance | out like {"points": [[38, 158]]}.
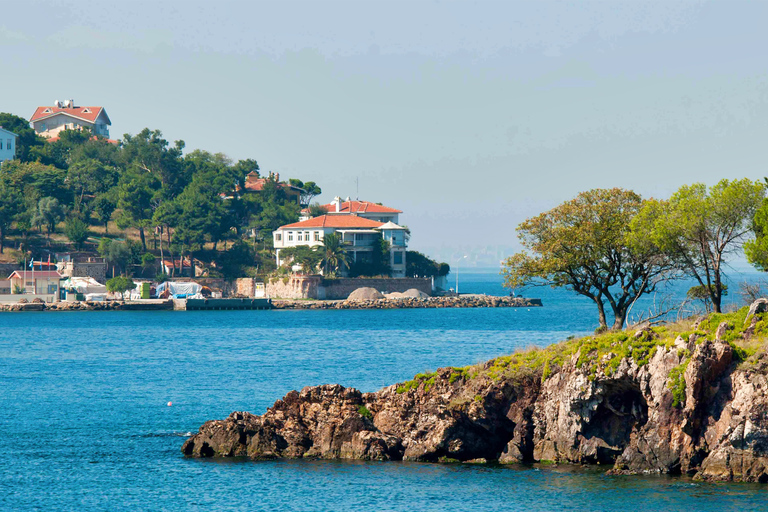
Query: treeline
{"points": [[181, 205], [613, 247]]}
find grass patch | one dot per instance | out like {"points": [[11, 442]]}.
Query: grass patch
{"points": [[676, 384], [364, 412], [603, 353]]}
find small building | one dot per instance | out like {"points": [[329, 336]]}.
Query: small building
{"points": [[7, 144], [33, 284], [255, 183], [49, 121]]}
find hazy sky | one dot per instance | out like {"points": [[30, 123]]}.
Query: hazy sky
{"points": [[469, 116]]}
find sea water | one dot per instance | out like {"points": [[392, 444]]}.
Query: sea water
{"points": [[85, 425]]}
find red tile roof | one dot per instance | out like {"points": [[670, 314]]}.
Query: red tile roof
{"points": [[335, 221], [360, 207], [111, 141], [39, 274], [79, 112]]}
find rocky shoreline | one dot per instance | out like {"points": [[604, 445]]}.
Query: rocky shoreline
{"points": [[692, 401], [468, 301], [112, 305], [472, 301]]}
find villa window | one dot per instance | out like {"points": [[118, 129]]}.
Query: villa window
{"points": [[317, 236], [42, 127], [1, 144], [290, 236], [9, 143], [278, 237], [398, 258]]}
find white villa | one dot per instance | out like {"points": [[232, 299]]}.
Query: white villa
{"points": [[7, 144], [359, 224], [49, 121]]}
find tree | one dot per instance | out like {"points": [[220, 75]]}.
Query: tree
{"points": [[309, 190], [103, 207], [120, 284], [77, 232], [698, 229], [419, 265], [333, 252], [316, 210], [135, 195], [302, 255], [585, 245], [10, 206], [49, 213], [117, 254]]}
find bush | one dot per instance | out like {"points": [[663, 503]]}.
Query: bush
{"points": [[77, 232], [120, 284]]}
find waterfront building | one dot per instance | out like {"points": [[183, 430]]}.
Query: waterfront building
{"points": [[32, 284], [49, 121], [7, 144], [358, 233]]}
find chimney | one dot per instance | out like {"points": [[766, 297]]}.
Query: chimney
{"points": [[337, 201]]}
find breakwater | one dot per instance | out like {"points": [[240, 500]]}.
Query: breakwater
{"points": [[468, 301]]}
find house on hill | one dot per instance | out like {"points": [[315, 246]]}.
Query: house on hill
{"points": [[365, 209], [255, 183], [49, 121], [359, 234], [7, 144]]}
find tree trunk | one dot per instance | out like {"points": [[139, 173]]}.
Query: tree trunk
{"points": [[143, 240], [601, 313], [106, 228], [2, 239], [162, 258]]}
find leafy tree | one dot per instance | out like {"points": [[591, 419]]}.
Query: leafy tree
{"points": [[11, 205], [698, 229], [77, 232], [148, 260], [117, 254], [419, 265], [135, 194], [120, 284], [309, 190], [584, 245], [103, 207], [89, 177], [334, 253], [316, 210], [701, 293], [302, 255], [49, 213], [27, 138]]}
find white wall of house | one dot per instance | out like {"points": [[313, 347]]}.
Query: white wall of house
{"points": [[7, 144], [51, 126]]}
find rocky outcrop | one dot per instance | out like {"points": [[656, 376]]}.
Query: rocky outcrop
{"points": [[685, 406], [112, 305], [464, 301]]}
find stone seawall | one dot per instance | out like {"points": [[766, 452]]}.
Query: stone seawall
{"points": [[475, 301], [112, 305]]}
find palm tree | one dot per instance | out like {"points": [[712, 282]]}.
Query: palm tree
{"points": [[333, 251]]}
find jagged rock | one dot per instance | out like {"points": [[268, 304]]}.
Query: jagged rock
{"points": [[715, 427], [759, 306]]}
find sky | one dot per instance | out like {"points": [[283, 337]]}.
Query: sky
{"points": [[468, 116]]}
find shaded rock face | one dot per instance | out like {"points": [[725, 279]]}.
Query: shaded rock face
{"points": [[718, 430]]}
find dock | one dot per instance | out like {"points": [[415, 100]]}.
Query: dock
{"points": [[221, 304]]}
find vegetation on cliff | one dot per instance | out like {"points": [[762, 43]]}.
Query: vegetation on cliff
{"points": [[601, 354]]}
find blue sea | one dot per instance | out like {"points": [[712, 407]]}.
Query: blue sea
{"points": [[85, 425]]}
